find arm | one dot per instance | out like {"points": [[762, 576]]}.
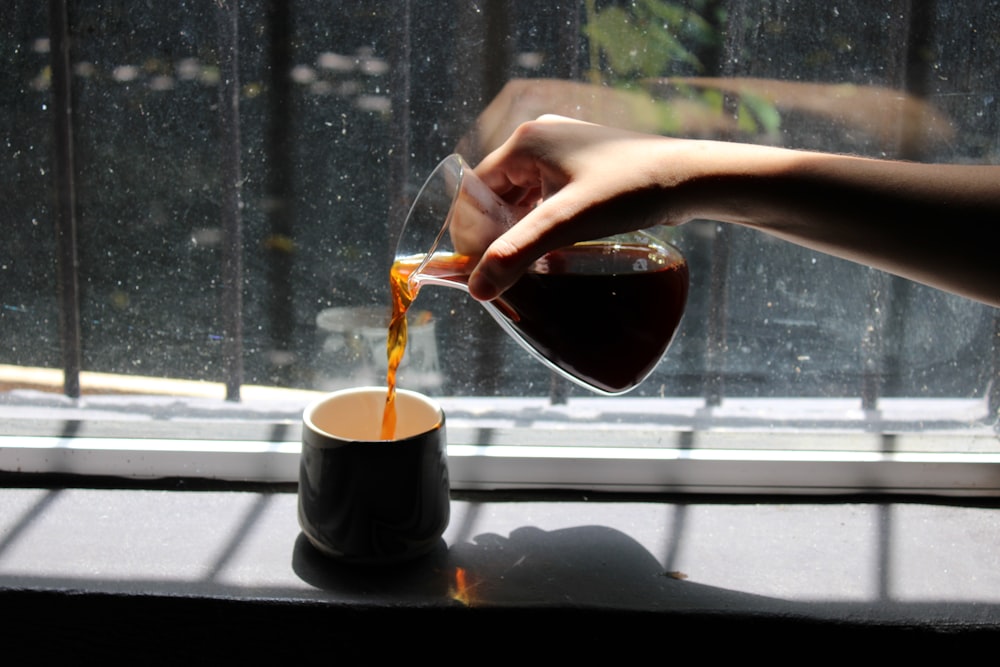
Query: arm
{"points": [[929, 223]]}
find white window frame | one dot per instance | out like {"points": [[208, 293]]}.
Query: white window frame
{"points": [[943, 447]]}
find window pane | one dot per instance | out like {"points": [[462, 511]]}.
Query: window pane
{"points": [[29, 316], [148, 159], [345, 108]]}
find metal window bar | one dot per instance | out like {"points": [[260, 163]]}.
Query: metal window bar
{"points": [[910, 74], [65, 204], [399, 90], [280, 214], [65, 197], [227, 15]]}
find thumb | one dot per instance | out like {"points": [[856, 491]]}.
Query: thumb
{"points": [[499, 268], [541, 230]]}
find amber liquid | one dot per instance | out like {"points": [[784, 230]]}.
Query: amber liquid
{"points": [[402, 296], [395, 346], [608, 329], [603, 317]]}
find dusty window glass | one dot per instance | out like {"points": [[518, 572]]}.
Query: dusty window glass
{"points": [[27, 268], [344, 108]]}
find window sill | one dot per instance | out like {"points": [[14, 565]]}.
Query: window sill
{"points": [[176, 548], [189, 573]]}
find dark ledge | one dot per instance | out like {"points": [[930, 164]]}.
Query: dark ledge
{"points": [[162, 629]]}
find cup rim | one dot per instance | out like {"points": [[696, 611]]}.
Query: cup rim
{"points": [[311, 428]]}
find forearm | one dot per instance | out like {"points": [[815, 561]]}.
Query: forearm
{"points": [[930, 223]]}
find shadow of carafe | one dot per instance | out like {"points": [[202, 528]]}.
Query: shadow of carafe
{"points": [[584, 567], [582, 590]]}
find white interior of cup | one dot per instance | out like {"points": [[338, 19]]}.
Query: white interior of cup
{"points": [[356, 414]]}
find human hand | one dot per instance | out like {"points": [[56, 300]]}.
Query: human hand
{"points": [[585, 181]]}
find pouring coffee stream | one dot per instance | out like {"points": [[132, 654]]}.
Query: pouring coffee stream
{"points": [[395, 347], [600, 313]]}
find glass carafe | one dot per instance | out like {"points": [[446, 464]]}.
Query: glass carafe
{"points": [[601, 313]]}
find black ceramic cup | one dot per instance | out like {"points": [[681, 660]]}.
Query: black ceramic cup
{"points": [[367, 500]]}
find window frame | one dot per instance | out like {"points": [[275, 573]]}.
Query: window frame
{"points": [[748, 446], [705, 452]]}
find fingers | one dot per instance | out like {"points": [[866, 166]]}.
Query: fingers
{"points": [[527, 169], [506, 259], [561, 165], [494, 273], [532, 157], [548, 226]]}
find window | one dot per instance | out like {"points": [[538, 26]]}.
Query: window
{"points": [[202, 202]]}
